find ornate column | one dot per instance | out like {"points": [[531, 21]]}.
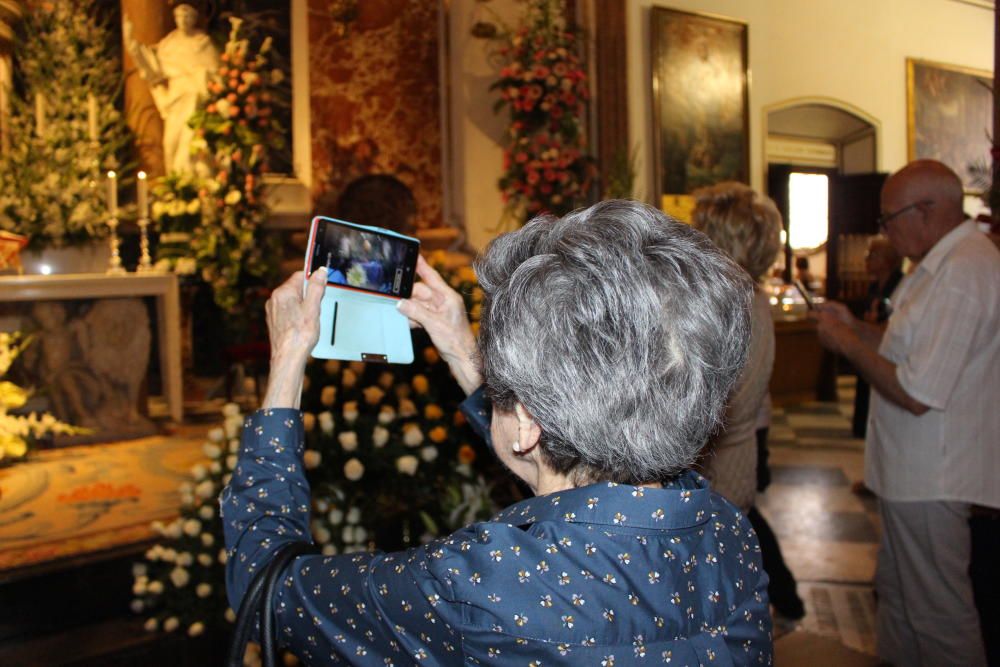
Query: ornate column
{"points": [[152, 20]]}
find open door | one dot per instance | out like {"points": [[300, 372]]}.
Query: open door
{"points": [[854, 211]]}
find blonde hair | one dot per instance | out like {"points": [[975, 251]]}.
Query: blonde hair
{"points": [[742, 223]]}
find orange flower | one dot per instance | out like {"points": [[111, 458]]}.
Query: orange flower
{"points": [[438, 434], [466, 454], [431, 355], [458, 419], [420, 384], [432, 412]]}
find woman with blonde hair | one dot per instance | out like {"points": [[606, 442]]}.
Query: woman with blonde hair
{"points": [[747, 226]]}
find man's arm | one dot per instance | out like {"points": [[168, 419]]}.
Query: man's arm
{"points": [[858, 342]]}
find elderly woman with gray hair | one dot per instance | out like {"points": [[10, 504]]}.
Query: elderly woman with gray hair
{"points": [[608, 344]]}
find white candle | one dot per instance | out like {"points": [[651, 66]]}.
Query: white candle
{"points": [[142, 190], [113, 194], [40, 115], [92, 117]]}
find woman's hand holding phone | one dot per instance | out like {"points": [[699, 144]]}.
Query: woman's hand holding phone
{"points": [[440, 310]]}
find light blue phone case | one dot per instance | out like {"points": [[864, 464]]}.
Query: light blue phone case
{"points": [[359, 326]]}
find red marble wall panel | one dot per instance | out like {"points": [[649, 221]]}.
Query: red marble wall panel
{"points": [[376, 100]]}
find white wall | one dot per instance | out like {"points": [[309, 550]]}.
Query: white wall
{"points": [[851, 50]]}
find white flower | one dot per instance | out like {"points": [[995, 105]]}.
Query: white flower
{"points": [[335, 516], [222, 106], [353, 515], [139, 586], [207, 539], [373, 395], [354, 470], [329, 550], [199, 472], [184, 559], [348, 440], [174, 529], [321, 534], [429, 453], [168, 555], [360, 535], [325, 422], [407, 465], [206, 512], [386, 414], [211, 450], [205, 490], [158, 528], [350, 410], [171, 624], [203, 590], [233, 426], [308, 422], [179, 577], [155, 588], [380, 436], [139, 570], [311, 459], [136, 606], [223, 557], [230, 464], [151, 625], [230, 615], [215, 467], [186, 266], [192, 527], [412, 435], [231, 410], [328, 396], [216, 434], [204, 560], [196, 629]]}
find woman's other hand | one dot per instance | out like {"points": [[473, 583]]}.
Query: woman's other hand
{"points": [[293, 328], [440, 310]]}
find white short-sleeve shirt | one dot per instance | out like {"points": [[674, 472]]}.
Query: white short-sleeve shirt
{"points": [[944, 337]]}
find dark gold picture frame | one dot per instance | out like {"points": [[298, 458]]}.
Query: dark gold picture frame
{"points": [[700, 100], [949, 115]]}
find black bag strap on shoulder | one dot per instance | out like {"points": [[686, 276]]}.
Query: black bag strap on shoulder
{"points": [[257, 600]]}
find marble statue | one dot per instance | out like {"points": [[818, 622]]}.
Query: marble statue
{"points": [[177, 69], [92, 367]]}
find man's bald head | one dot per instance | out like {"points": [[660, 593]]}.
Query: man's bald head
{"points": [[935, 192]]}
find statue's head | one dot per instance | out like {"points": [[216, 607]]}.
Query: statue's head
{"points": [[186, 17]]}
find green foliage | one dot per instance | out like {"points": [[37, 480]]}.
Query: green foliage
{"points": [[51, 178]]}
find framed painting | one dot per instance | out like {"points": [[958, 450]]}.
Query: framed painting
{"points": [[949, 117], [700, 100]]}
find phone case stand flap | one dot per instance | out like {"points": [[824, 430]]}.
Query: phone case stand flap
{"points": [[362, 327]]}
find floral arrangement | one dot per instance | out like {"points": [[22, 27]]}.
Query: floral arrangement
{"points": [[176, 211], [17, 431], [390, 460], [67, 126], [543, 84], [235, 128]]}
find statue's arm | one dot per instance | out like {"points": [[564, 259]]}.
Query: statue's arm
{"points": [[143, 56]]}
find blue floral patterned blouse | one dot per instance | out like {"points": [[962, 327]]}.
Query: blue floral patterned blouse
{"points": [[600, 575]]}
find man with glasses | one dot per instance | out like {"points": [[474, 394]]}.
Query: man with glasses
{"points": [[933, 442]]}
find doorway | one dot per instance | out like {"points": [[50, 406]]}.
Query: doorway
{"points": [[822, 157]]}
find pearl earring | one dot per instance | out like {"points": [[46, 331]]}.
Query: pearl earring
{"points": [[516, 446]]}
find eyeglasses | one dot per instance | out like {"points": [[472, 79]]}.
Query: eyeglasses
{"points": [[884, 219]]}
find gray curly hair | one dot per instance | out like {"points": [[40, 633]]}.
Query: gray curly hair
{"points": [[621, 331]]}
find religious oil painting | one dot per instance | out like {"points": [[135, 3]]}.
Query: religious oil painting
{"points": [[700, 127], [949, 117]]}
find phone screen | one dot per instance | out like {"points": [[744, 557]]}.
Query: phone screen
{"points": [[364, 260]]}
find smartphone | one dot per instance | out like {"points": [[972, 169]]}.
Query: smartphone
{"points": [[361, 258], [805, 294]]}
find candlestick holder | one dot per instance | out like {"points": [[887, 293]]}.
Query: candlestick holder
{"points": [[145, 261], [115, 267]]}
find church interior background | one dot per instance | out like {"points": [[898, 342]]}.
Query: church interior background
{"points": [[159, 166]]}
